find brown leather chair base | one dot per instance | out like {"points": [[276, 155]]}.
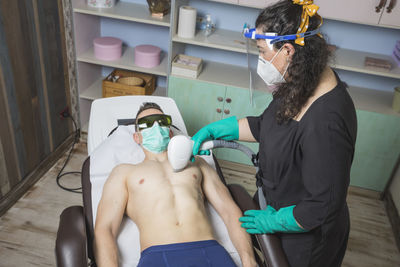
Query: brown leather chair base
{"points": [[71, 243], [74, 244]]}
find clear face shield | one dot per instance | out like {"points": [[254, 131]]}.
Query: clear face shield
{"points": [[265, 69]]}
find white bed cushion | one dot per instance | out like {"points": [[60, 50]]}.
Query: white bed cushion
{"points": [[105, 113], [121, 148]]}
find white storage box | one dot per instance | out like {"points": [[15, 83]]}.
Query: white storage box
{"points": [[187, 66], [101, 3]]}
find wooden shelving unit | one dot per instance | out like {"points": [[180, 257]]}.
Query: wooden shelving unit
{"points": [[233, 75], [373, 100], [125, 62], [364, 98], [344, 59], [123, 11], [88, 26], [94, 91], [353, 60], [88, 23], [220, 39]]}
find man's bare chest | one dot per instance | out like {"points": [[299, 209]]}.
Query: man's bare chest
{"points": [[160, 178]]}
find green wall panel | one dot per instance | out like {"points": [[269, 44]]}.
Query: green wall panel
{"points": [[197, 101], [240, 106], [377, 149]]}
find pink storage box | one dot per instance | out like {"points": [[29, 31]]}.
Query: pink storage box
{"points": [[107, 48], [147, 56]]}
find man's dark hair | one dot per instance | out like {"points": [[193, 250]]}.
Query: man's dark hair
{"points": [[145, 106]]}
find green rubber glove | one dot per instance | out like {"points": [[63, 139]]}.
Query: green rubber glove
{"points": [[226, 129], [270, 221]]}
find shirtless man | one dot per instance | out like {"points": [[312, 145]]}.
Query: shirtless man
{"points": [[167, 207]]}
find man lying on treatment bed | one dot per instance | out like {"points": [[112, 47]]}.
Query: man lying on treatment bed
{"points": [[167, 207]]}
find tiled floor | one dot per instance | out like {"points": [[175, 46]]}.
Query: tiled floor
{"points": [[28, 229]]}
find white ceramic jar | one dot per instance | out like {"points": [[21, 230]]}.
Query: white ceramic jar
{"points": [[101, 3]]}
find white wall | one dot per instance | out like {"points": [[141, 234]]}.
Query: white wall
{"points": [[395, 189]]}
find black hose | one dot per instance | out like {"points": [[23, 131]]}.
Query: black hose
{"points": [[234, 145]]}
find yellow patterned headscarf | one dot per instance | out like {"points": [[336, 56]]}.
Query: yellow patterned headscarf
{"points": [[309, 10]]}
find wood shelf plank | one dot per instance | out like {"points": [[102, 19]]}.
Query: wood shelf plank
{"points": [[353, 60], [248, 5], [125, 62], [344, 59], [225, 74], [219, 39], [325, 16], [230, 75], [123, 11], [373, 100], [94, 91], [84, 128]]}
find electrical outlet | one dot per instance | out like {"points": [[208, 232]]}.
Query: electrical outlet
{"points": [[64, 113]]}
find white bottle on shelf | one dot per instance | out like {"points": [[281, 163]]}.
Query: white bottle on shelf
{"points": [[208, 26]]}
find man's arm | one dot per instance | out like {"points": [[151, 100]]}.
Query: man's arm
{"points": [[220, 198], [109, 216]]}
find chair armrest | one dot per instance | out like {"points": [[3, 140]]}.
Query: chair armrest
{"points": [[71, 242], [270, 245], [242, 198]]}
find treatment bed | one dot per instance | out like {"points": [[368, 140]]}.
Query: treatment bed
{"points": [[74, 243]]}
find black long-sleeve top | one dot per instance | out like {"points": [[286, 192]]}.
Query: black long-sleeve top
{"points": [[307, 163]]}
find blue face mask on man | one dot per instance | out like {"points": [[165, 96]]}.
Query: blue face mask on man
{"points": [[155, 138]]}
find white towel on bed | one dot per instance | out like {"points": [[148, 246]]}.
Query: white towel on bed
{"points": [[121, 148]]}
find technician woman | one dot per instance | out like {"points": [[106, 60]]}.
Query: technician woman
{"points": [[306, 139]]}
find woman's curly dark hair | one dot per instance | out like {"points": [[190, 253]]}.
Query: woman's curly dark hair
{"points": [[307, 63]]}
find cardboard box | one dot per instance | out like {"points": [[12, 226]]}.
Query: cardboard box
{"points": [[377, 63], [187, 66], [114, 88]]}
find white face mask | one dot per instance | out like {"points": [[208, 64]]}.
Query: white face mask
{"points": [[267, 71]]}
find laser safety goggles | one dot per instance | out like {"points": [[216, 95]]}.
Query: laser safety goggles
{"points": [[148, 121]]}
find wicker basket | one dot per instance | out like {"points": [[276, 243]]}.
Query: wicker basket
{"points": [[135, 81], [129, 83]]}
